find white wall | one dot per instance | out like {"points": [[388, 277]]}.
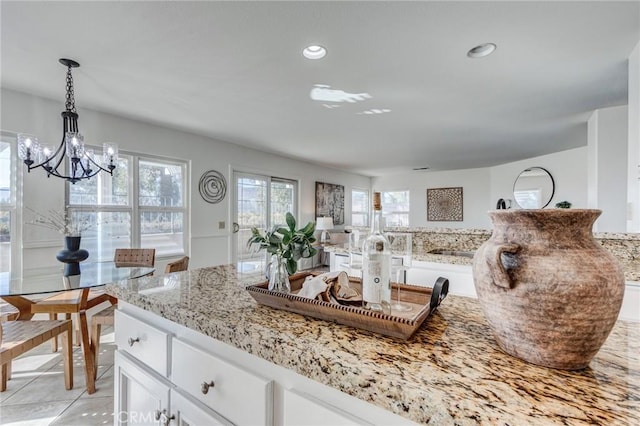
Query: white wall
{"points": [[484, 186], [607, 145], [475, 185], [568, 168], [633, 183], [208, 244]]}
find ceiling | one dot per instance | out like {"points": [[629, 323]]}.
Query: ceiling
{"points": [[233, 71]]}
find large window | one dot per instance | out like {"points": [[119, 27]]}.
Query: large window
{"points": [[261, 202], [395, 208], [7, 203], [142, 205], [359, 207]]}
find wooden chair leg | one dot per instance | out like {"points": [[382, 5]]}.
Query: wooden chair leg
{"points": [[8, 367], [54, 341], [67, 355], [3, 378], [95, 345]]}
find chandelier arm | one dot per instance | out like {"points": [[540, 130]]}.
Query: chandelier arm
{"points": [[53, 162], [100, 167]]}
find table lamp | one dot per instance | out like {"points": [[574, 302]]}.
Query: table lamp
{"points": [[324, 224]]}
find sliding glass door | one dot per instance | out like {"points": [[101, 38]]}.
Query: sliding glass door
{"points": [[261, 202]]}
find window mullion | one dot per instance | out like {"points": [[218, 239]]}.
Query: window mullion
{"points": [[135, 198]]}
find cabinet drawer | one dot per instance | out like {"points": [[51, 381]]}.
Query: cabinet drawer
{"points": [[301, 409], [236, 394], [143, 341]]}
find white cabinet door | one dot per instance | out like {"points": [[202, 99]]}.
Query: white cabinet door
{"points": [[189, 413], [304, 410], [139, 395]]}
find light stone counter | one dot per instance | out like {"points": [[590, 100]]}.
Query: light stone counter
{"points": [[625, 247], [450, 372]]}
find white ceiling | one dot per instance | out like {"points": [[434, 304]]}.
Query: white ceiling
{"points": [[234, 71]]}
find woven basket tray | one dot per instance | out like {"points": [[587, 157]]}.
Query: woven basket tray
{"points": [[399, 324]]}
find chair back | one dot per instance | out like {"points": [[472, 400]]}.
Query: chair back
{"points": [[177, 266], [135, 257]]}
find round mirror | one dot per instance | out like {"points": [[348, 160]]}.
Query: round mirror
{"points": [[534, 188]]}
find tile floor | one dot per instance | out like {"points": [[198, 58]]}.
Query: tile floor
{"points": [[36, 396]]}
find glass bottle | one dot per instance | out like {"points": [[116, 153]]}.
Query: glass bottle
{"points": [[376, 265]]}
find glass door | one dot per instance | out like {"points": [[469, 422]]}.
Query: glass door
{"points": [[261, 202]]}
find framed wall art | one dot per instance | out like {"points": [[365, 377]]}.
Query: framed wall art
{"points": [[444, 204], [330, 202]]}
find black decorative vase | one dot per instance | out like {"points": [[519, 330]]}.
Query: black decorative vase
{"points": [[72, 255]]}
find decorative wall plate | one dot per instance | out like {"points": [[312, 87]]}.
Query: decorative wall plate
{"points": [[212, 186]]}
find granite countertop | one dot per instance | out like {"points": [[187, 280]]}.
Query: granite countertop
{"points": [[450, 372], [421, 257]]}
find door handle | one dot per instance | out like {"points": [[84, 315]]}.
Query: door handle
{"points": [[235, 227]]}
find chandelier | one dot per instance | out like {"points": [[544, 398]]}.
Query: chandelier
{"points": [[82, 163]]}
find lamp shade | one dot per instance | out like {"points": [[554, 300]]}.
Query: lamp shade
{"points": [[324, 223]]}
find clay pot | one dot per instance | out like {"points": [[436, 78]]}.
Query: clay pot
{"points": [[550, 292]]}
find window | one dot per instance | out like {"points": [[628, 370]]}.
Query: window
{"points": [[142, 205], [7, 204], [261, 202], [395, 208], [359, 207]]}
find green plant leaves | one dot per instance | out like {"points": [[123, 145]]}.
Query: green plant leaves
{"points": [[290, 243]]}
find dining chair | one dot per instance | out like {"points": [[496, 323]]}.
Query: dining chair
{"points": [[105, 317], [18, 337], [178, 265], [135, 257]]}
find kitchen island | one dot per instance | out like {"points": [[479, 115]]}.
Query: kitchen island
{"points": [[450, 372]]}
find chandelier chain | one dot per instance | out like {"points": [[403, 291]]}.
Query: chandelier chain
{"points": [[70, 103]]}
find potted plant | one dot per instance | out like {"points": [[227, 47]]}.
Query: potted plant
{"points": [[286, 245]]}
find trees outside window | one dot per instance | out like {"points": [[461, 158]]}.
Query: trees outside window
{"points": [[142, 205], [395, 208]]}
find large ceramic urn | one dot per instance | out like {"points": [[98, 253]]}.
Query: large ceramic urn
{"points": [[550, 292]]}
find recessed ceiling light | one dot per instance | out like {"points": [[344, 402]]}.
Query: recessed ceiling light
{"points": [[482, 50], [314, 52]]}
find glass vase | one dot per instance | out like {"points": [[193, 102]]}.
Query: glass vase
{"points": [[277, 275]]}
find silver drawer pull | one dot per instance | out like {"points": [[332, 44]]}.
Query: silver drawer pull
{"points": [[163, 416], [205, 387], [132, 341]]}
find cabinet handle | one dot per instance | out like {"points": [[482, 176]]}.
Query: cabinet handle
{"points": [[132, 341], [164, 418], [205, 387]]}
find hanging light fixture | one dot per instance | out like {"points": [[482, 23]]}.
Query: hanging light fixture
{"points": [[82, 163]]}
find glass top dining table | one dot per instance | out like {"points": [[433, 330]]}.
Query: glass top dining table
{"points": [[91, 275]]}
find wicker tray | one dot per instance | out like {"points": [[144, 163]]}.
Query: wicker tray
{"points": [[399, 324]]}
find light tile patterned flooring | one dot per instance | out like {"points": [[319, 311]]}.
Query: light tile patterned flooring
{"points": [[36, 396]]}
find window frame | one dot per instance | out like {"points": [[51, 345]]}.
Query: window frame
{"points": [[367, 212], [407, 213], [133, 207], [14, 206]]}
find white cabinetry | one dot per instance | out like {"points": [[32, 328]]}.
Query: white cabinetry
{"points": [[426, 273], [189, 413], [220, 385], [423, 274], [145, 393], [209, 383], [305, 410], [139, 394]]}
